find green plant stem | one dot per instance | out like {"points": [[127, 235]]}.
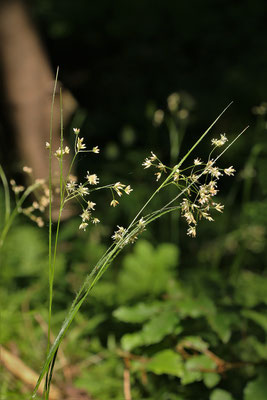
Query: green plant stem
{"points": [[87, 286], [110, 255], [7, 194], [50, 267]]}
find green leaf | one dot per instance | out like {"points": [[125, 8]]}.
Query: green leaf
{"points": [[221, 324], [211, 379], [251, 289], [257, 389], [153, 331], [220, 394], [24, 253], [194, 342], [138, 313], [257, 317], [193, 367], [160, 326], [147, 271], [132, 340], [200, 362], [190, 377], [166, 362]]}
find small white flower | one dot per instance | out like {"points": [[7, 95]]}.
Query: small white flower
{"points": [[28, 170], [191, 231], [189, 218], [219, 142], [91, 205], [71, 186], [121, 229], [229, 171], [219, 207], [82, 190], [40, 222], [67, 150], [153, 156], [118, 235], [214, 171], [114, 203], [35, 205], [83, 226], [76, 131], [96, 150], [95, 221], [162, 167], [118, 187], [47, 145], [18, 188], [158, 176], [128, 189], [80, 145], [85, 215], [147, 163], [92, 179], [58, 153], [197, 161], [141, 222]]}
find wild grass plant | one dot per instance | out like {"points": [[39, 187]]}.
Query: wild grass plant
{"points": [[196, 186]]}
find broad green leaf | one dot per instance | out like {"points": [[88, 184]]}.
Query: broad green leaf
{"points": [[147, 271], [138, 313], [257, 317], [190, 377], [193, 367], [257, 389], [24, 253], [221, 324], [211, 379], [251, 289], [199, 362], [195, 307], [153, 331], [220, 394], [194, 342], [160, 326], [132, 340], [166, 362]]}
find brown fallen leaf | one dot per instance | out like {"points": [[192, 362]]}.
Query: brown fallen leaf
{"points": [[19, 369]]}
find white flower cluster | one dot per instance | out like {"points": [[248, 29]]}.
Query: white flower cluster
{"points": [[123, 237], [41, 203], [154, 161], [199, 201]]}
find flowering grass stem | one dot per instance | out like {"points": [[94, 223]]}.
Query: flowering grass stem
{"points": [[123, 236]]}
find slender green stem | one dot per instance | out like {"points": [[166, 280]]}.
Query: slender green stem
{"points": [[109, 256], [50, 216], [7, 194]]}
